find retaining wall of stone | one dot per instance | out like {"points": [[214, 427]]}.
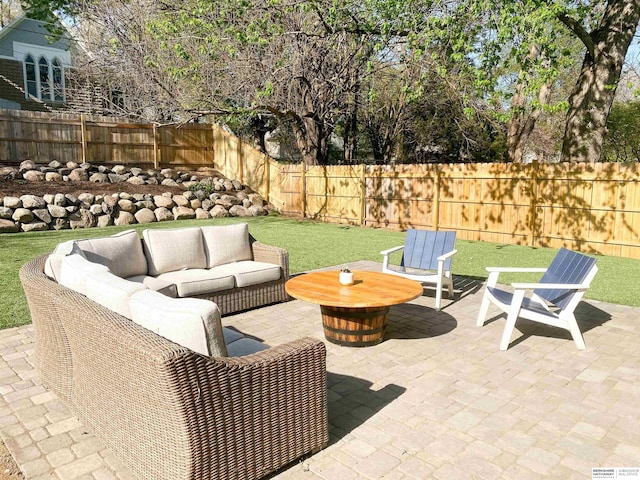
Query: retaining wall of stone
{"points": [[207, 195]]}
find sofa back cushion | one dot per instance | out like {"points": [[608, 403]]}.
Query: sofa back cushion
{"points": [[111, 291], [226, 244], [121, 253], [74, 270], [191, 322], [54, 260], [169, 250]]}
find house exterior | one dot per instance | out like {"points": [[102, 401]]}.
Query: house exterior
{"points": [[33, 66]]}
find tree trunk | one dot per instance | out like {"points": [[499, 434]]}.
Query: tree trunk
{"points": [[592, 97], [312, 140]]}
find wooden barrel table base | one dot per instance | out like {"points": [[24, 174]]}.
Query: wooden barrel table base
{"points": [[353, 315], [354, 327]]}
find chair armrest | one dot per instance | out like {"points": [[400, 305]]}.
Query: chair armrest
{"points": [[516, 269], [444, 256], [270, 254], [391, 250], [550, 286]]}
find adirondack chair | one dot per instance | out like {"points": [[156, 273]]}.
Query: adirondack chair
{"points": [[426, 258], [554, 297]]}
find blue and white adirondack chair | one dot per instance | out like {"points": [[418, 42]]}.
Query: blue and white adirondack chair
{"points": [[426, 258], [554, 297]]}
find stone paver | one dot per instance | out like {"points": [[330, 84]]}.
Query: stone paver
{"points": [[436, 399]]}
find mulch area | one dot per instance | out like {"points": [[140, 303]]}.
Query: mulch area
{"points": [[16, 188]]}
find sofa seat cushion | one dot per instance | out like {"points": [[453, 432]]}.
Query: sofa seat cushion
{"points": [[121, 253], [249, 273], [169, 250], [111, 291], [226, 243], [191, 322], [54, 260], [198, 281], [156, 284]]}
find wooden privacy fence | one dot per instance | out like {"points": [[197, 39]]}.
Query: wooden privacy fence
{"points": [[588, 207], [44, 137]]}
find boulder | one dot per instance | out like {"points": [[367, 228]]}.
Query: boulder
{"points": [[61, 224], [183, 213], [136, 180], [33, 176], [34, 227], [86, 199], [105, 221], [55, 164], [32, 201], [202, 214], [163, 214], [169, 182], [257, 211], [124, 218], [79, 175], [27, 165], [7, 226], [99, 178], [22, 215], [239, 211], [162, 201], [59, 199], [180, 200], [52, 177], [12, 202], [6, 212], [42, 214], [126, 206], [82, 219], [145, 215], [119, 169], [115, 178], [218, 211], [57, 211]]}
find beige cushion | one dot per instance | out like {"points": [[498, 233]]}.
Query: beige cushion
{"points": [[226, 243], [190, 322], [121, 252], [74, 270], [111, 291], [153, 283], [174, 249], [198, 281], [250, 273], [53, 261]]}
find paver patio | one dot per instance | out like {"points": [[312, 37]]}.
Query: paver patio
{"points": [[436, 399]]}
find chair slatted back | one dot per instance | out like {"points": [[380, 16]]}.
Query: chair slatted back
{"points": [[566, 267], [423, 247]]}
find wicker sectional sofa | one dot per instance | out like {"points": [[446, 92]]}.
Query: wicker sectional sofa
{"points": [[167, 411]]}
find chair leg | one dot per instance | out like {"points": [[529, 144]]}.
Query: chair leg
{"points": [[438, 296], [508, 329], [575, 332], [484, 309]]}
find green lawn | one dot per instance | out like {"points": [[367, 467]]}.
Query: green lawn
{"points": [[312, 245]]}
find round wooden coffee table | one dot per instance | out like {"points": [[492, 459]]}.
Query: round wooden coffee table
{"points": [[354, 315]]}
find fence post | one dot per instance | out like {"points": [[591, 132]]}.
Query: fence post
{"points": [[436, 199], [363, 193], [303, 188], [267, 166], [155, 146], [533, 203], [83, 137]]}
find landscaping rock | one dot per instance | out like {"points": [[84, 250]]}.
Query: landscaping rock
{"points": [[145, 215], [12, 202], [56, 211], [22, 215], [124, 218], [34, 227], [82, 219], [163, 214], [32, 201], [183, 213], [7, 226], [6, 212]]}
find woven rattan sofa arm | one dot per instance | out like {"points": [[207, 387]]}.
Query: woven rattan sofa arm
{"points": [[270, 254], [255, 414]]}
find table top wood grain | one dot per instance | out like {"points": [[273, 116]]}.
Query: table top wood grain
{"points": [[370, 289]]}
